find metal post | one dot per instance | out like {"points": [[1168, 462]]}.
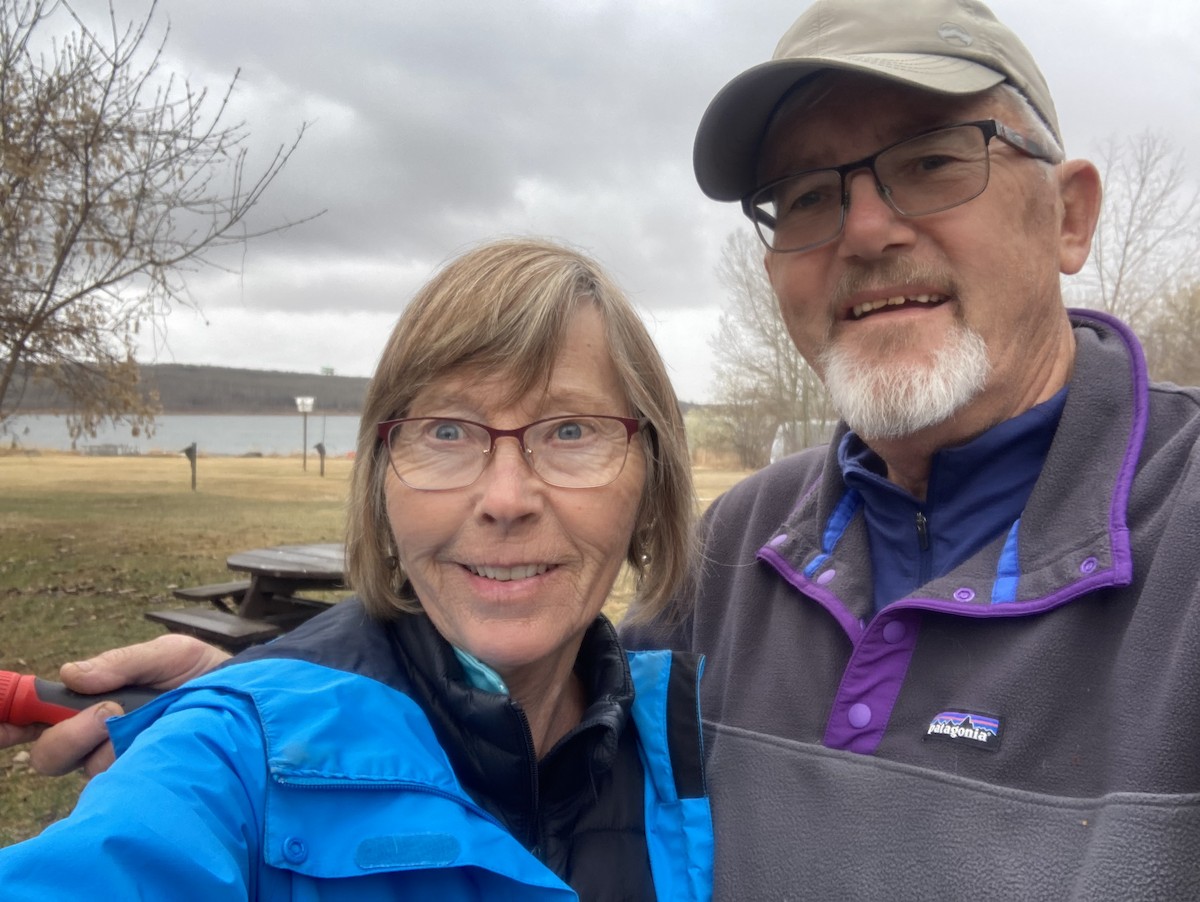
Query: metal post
{"points": [[305, 406], [190, 452]]}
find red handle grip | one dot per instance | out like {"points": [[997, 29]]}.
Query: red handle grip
{"points": [[26, 699]]}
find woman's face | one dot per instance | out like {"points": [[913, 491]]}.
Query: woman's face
{"points": [[509, 568]]}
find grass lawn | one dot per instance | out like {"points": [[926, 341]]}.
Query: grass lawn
{"points": [[89, 543]]}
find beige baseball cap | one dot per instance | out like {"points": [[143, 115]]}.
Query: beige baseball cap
{"points": [[947, 46]]}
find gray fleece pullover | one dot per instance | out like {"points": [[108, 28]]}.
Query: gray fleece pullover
{"points": [[1024, 727]]}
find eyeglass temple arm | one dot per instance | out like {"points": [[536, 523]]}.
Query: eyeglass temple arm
{"points": [[1027, 145], [756, 214]]}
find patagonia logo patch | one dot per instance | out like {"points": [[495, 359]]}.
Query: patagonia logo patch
{"points": [[967, 727]]}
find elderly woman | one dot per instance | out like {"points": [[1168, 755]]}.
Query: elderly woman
{"points": [[468, 727]]}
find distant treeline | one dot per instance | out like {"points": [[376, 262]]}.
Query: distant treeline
{"points": [[183, 388]]}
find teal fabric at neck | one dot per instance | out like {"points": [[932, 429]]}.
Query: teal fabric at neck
{"points": [[479, 674]]}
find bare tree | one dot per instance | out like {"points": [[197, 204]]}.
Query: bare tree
{"points": [[1147, 243], [743, 424], [1172, 340], [116, 180], [764, 387]]}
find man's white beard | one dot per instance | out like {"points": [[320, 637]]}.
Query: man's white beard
{"points": [[880, 398]]}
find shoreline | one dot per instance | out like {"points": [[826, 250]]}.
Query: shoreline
{"points": [[17, 414], [224, 435], [36, 451]]}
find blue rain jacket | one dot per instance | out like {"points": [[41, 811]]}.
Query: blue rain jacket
{"points": [[284, 779]]}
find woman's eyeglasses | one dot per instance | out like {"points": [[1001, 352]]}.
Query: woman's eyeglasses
{"points": [[574, 452]]}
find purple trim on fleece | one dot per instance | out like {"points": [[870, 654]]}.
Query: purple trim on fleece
{"points": [[1099, 579], [852, 626], [872, 681], [1122, 555]]}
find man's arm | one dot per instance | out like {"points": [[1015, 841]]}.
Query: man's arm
{"points": [[159, 830], [82, 741]]}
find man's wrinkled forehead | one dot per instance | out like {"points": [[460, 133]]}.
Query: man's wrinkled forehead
{"points": [[850, 115]]}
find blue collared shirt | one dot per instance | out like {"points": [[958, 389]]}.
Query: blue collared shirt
{"points": [[975, 491]]}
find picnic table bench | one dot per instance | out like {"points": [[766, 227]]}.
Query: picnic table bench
{"points": [[224, 596], [256, 609]]}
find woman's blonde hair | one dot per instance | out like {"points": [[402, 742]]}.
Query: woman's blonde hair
{"points": [[504, 308]]}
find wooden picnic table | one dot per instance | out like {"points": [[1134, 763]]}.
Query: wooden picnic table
{"points": [[278, 573], [264, 605]]}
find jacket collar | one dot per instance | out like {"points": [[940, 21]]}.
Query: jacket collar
{"points": [[486, 733], [1071, 538]]}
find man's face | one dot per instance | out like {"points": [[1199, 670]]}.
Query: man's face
{"points": [[977, 279]]}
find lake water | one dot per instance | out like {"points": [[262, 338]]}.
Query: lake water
{"points": [[213, 434]]}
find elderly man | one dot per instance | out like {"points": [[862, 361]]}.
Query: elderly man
{"points": [[957, 652]]}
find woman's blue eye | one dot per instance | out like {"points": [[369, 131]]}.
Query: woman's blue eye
{"points": [[568, 431], [447, 432]]}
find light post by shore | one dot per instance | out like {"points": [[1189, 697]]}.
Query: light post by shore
{"points": [[305, 406]]}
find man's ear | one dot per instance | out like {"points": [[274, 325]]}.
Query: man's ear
{"points": [[1081, 192], [771, 265]]}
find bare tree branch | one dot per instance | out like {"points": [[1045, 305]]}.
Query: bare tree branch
{"points": [[1147, 243], [763, 385], [116, 181]]}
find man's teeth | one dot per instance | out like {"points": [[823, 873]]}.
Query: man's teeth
{"points": [[861, 310], [525, 571]]}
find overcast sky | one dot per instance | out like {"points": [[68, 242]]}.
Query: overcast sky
{"points": [[435, 124]]}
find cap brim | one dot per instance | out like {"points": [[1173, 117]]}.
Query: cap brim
{"points": [[725, 155]]}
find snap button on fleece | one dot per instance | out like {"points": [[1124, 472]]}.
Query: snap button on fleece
{"points": [[893, 631], [964, 594], [1088, 565], [294, 850], [859, 716]]}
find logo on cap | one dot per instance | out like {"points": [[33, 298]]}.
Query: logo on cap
{"points": [[955, 34]]}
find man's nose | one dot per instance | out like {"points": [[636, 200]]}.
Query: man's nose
{"points": [[871, 224]]}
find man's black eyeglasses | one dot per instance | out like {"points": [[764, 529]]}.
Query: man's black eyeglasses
{"points": [[929, 173]]}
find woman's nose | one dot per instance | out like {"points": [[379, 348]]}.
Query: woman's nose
{"points": [[509, 487]]}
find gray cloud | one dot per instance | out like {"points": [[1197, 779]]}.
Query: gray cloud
{"points": [[438, 124]]}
